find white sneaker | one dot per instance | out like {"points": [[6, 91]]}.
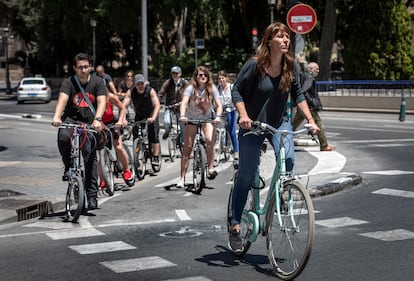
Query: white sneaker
{"points": [[180, 183]]}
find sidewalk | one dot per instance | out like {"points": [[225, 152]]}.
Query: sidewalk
{"points": [[41, 189]]}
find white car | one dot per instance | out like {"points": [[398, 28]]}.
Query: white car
{"points": [[33, 89]]}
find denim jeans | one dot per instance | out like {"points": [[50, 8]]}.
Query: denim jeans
{"points": [[249, 156], [231, 128]]}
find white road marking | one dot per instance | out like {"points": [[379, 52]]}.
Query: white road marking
{"points": [[182, 215], [387, 145], [105, 247], [51, 225], [138, 264], [195, 278], [328, 162], [74, 233], [390, 235], [395, 192], [390, 172], [340, 222], [370, 141], [130, 223]]}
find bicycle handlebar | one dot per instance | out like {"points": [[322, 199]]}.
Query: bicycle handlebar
{"points": [[172, 105], [199, 121], [262, 128], [84, 126]]}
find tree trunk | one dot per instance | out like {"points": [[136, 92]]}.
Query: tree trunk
{"points": [[327, 40]]}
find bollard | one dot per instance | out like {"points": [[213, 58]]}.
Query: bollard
{"points": [[402, 108]]}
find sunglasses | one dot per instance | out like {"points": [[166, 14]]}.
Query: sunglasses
{"points": [[202, 75]]}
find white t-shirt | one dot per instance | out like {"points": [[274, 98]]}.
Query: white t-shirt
{"points": [[200, 108]]}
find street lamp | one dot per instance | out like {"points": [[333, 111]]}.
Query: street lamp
{"points": [[6, 53], [271, 4], [93, 25]]}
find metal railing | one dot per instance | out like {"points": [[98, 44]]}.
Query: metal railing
{"points": [[365, 87]]}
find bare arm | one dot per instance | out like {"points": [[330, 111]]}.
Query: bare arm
{"points": [[122, 109], [183, 107], [244, 120], [156, 103], [59, 109]]}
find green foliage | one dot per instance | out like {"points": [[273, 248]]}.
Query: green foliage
{"points": [[376, 34], [377, 38]]}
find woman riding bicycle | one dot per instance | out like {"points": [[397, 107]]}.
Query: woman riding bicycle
{"points": [[197, 103], [224, 88], [108, 118], [260, 93]]}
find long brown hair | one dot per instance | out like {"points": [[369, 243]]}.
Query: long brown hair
{"points": [[263, 56], [209, 86]]}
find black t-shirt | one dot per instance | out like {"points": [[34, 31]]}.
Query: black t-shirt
{"points": [[77, 108], [142, 103]]}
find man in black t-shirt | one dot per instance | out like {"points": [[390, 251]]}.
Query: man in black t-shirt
{"points": [[73, 108], [146, 104]]}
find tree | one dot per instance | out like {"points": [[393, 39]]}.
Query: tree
{"points": [[377, 38]]}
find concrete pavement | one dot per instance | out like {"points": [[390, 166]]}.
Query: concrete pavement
{"points": [[38, 188]]}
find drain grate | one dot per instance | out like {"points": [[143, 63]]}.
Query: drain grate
{"points": [[37, 209]]}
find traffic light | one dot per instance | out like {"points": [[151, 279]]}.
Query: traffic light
{"points": [[255, 40]]}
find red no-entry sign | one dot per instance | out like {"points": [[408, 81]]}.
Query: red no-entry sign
{"points": [[301, 18]]}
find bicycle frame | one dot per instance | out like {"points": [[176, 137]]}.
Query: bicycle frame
{"points": [[278, 178]]}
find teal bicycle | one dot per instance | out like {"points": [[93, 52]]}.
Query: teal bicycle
{"points": [[286, 216]]}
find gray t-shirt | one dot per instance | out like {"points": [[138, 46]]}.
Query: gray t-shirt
{"points": [[200, 108]]}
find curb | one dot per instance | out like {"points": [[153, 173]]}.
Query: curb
{"points": [[335, 185]]}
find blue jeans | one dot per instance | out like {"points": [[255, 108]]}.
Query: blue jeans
{"points": [[231, 128], [249, 156]]}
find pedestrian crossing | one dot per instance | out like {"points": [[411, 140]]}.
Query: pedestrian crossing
{"points": [[383, 235]]}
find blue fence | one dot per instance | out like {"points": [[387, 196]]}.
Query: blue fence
{"points": [[366, 87]]}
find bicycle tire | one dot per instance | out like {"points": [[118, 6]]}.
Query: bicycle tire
{"points": [[140, 160], [107, 170], [289, 242], [245, 227], [228, 147], [130, 162], [75, 199], [218, 147], [172, 147], [199, 169]]}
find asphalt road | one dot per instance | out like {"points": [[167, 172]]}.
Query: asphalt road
{"points": [[154, 233]]}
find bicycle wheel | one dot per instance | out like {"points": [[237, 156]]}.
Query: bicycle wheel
{"points": [[199, 169], [139, 159], [107, 169], [290, 237], [75, 199], [228, 147], [172, 147], [245, 225], [130, 162]]}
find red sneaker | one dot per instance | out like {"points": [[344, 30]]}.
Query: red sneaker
{"points": [[102, 185], [127, 175]]}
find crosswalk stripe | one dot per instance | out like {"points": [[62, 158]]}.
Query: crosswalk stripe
{"points": [[137, 264], [105, 247], [390, 172], [340, 222], [195, 278], [74, 233], [390, 235], [182, 215], [395, 192]]}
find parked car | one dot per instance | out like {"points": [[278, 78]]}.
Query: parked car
{"points": [[33, 89]]}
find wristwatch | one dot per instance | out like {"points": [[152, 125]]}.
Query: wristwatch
{"points": [[98, 119]]}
